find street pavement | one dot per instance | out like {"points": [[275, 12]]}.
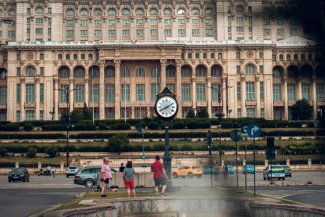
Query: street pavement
{"points": [[23, 199]]}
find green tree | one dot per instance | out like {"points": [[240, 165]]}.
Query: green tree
{"points": [[76, 116], [301, 110], [51, 152], [31, 152], [86, 113], [118, 143], [190, 113], [202, 113]]}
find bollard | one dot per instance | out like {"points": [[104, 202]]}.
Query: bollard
{"points": [[17, 164], [222, 163], [288, 162], [61, 166], [266, 163], [39, 165], [309, 163]]}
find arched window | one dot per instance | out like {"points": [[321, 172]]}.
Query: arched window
{"points": [[79, 72], [139, 11], [216, 71], [111, 12], [306, 71], [94, 72], [170, 71], [126, 11], [277, 71], [30, 71], [320, 71], [3, 74], [201, 71], [195, 11], [208, 11], [240, 9], [64, 72], [109, 72], [83, 12], [98, 12], [39, 10], [153, 11], [250, 69], [167, 11], [293, 71], [186, 71], [139, 72], [70, 12], [125, 72]]}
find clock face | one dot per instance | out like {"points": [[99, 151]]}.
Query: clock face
{"points": [[166, 107]]}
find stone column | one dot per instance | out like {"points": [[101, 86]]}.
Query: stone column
{"points": [[22, 99], [194, 93], [285, 98], [163, 65], [132, 29], [118, 28], [209, 96], [91, 25], [314, 98], [299, 88], [146, 30], [77, 31], [32, 29], [179, 87], [56, 99], [174, 27], [224, 97], [37, 98], [160, 28], [71, 95], [102, 90], [243, 96], [117, 89], [45, 31], [258, 96], [87, 92], [188, 27]]}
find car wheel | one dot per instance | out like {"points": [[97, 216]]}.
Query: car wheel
{"points": [[28, 179], [175, 175], [283, 178], [264, 178], [13, 180], [67, 176], [190, 175], [290, 175], [89, 183], [9, 180]]}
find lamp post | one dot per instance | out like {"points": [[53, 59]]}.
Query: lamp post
{"points": [[67, 95]]}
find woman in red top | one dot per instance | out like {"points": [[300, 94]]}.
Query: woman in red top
{"points": [[159, 176]]}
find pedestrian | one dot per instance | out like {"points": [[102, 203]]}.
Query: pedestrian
{"points": [[122, 167], [53, 172], [128, 177], [159, 176], [105, 176], [225, 174]]}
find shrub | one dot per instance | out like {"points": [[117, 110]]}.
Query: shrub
{"points": [[121, 126], [31, 152], [202, 113], [186, 148], [190, 113], [3, 152], [198, 124], [28, 127], [153, 125], [84, 126], [102, 126], [118, 143], [158, 147], [54, 127], [9, 127], [51, 152], [179, 124]]}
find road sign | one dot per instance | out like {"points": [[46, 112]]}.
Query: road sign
{"points": [[235, 136], [253, 131], [243, 131]]}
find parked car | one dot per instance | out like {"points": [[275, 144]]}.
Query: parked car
{"points": [[248, 169], [87, 176], [287, 171], [17, 174], [71, 171], [187, 171], [207, 170], [274, 172]]}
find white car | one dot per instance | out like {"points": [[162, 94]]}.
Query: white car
{"points": [[71, 171], [274, 172]]}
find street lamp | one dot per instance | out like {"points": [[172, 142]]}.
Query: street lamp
{"points": [[67, 95]]}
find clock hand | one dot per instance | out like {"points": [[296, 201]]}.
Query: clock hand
{"points": [[165, 107]]}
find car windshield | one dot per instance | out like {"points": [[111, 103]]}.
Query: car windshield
{"points": [[17, 170], [72, 168], [277, 168], [285, 167]]}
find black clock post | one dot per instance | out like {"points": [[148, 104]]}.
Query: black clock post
{"points": [[163, 98]]}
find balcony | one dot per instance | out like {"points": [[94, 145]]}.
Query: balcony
{"points": [[279, 103], [250, 103], [29, 104]]}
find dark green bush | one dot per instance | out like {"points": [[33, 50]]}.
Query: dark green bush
{"points": [[3, 152], [121, 126], [198, 124], [186, 148], [153, 125], [83, 127], [9, 127], [158, 147], [179, 124], [102, 126], [54, 127], [31, 152], [51, 152], [28, 127]]}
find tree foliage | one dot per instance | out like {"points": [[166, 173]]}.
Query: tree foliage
{"points": [[202, 113], [51, 152], [86, 113], [301, 110], [190, 113], [31, 152], [118, 143]]}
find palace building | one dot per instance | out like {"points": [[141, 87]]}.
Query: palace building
{"points": [[244, 58]]}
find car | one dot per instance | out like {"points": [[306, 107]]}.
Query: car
{"points": [[17, 174], [287, 171], [274, 172], [248, 169], [207, 170], [187, 171], [71, 171], [87, 176]]}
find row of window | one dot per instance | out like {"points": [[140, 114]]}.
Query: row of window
{"points": [[281, 31], [305, 88], [294, 57]]}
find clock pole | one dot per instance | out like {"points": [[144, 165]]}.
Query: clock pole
{"points": [[167, 157]]}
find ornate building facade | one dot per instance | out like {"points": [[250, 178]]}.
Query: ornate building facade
{"points": [[244, 58]]}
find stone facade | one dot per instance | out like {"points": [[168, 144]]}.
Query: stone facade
{"points": [[242, 58]]}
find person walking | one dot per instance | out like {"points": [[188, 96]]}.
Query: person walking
{"points": [[53, 172], [128, 177], [105, 176], [225, 174], [159, 176], [122, 167]]}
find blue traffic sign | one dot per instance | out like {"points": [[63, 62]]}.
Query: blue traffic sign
{"points": [[253, 130]]}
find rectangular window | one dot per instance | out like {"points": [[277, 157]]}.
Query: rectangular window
{"points": [[98, 22], [261, 69], [125, 92], [238, 70], [219, 56], [320, 92], [240, 29], [69, 33], [262, 113], [11, 34], [39, 20], [167, 22], [200, 92], [280, 31], [30, 115], [41, 115], [126, 22], [267, 31], [41, 89], [181, 21], [110, 93], [238, 91], [49, 10], [125, 32], [293, 31], [28, 20], [111, 32], [39, 31], [94, 97], [154, 91], [153, 21], [239, 113], [41, 69], [181, 32], [30, 93], [18, 93], [276, 92], [240, 19], [98, 32], [140, 92], [153, 32], [291, 92], [70, 22], [305, 91], [195, 32], [111, 22], [267, 21], [195, 21], [80, 93], [139, 32], [168, 32], [215, 92], [110, 114], [250, 91], [262, 90], [49, 21], [229, 29], [17, 116], [209, 21], [62, 92], [139, 21], [211, 55], [238, 55], [186, 93], [208, 32], [83, 32], [171, 87], [280, 21], [3, 95], [251, 112]]}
